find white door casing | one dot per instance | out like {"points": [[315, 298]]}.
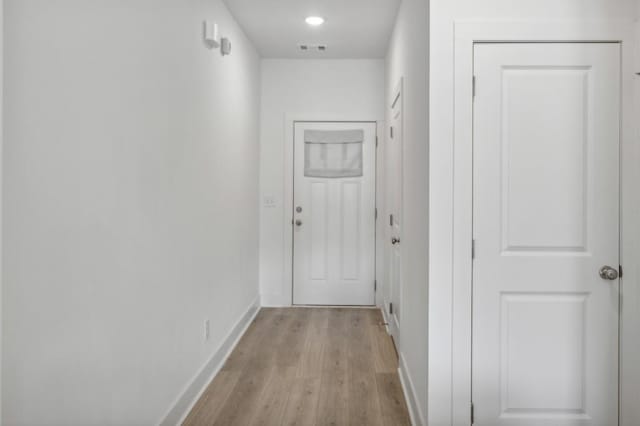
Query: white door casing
{"points": [[545, 220], [395, 220], [334, 226]]}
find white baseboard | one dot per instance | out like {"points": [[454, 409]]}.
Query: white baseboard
{"points": [[417, 419], [385, 317], [190, 395]]}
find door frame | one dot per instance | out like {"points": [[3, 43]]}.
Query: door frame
{"points": [[393, 329], [450, 349], [287, 217]]}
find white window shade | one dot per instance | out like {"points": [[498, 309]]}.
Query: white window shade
{"points": [[333, 153]]}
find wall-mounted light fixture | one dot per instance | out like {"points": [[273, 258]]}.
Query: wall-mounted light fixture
{"points": [[211, 36]]}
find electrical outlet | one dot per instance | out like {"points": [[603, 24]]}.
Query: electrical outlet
{"points": [[206, 329]]}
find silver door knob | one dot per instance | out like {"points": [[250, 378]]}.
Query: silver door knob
{"points": [[608, 273], [395, 241], [298, 222]]}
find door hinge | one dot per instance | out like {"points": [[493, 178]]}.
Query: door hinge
{"points": [[620, 272], [473, 88], [390, 220], [473, 249], [472, 414], [375, 285], [391, 131], [376, 213], [376, 141], [390, 308]]}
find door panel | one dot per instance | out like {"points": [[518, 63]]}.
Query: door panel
{"points": [[334, 216], [546, 219], [319, 239], [395, 219]]}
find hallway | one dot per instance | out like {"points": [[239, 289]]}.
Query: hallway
{"points": [[363, 212], [306, 366]]}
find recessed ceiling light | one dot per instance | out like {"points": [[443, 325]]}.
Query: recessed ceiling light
{"points": [[314, 20]]}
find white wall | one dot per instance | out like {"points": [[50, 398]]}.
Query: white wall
{"points": [[443, 15], [407, 58], [308, 89], [130, 204], [1, 172], [631, 389]]}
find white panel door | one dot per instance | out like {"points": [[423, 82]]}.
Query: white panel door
{"points": [[395, 216], [334, 214], [546, 219]]}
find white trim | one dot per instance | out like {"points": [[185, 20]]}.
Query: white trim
{"points": [[1, 183], [417, 418], [458, 300], [394, 326], [385, 318], [286, 299], [193, 391]]}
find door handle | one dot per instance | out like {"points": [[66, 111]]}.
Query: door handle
{"points": [[298, 222], [395, 241], [608, 273]]}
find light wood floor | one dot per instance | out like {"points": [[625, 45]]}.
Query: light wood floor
{"points": [[308, 366]]}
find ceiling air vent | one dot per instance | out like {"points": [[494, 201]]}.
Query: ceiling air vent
{"points": [[312, 47]]}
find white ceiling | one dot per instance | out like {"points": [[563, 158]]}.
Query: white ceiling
{"points": [[353, 28]]}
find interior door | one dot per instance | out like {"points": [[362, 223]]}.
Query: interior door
{"points": [[334, 213], [546, 220], [395, 216]]}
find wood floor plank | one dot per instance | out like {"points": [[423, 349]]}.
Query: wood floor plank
{"points": [[386, 358], [242, 404], [307, 366], [273, 334], [392, 402], [332, 401], [245, 348], [208, 407], [274, 398], [360, 344], [302, 403], [334, 360], [290, 350], [311, 359], [363, 402], [375, 317]]}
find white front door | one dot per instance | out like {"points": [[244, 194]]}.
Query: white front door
{"points": [[394, 194], [334, 213], [546, 220]]}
